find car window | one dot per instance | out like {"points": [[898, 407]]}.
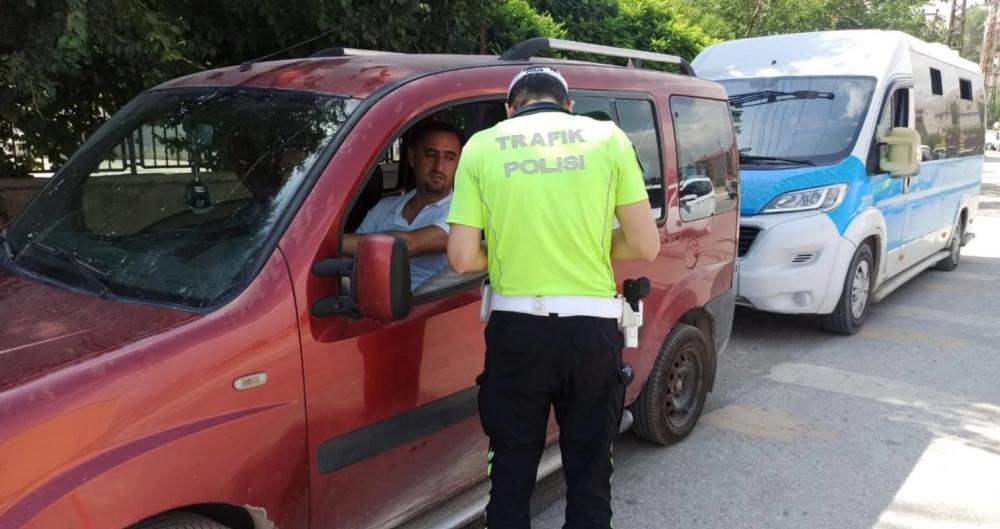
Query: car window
{"points": [[392, 176], [173, 200], [636, 118], [707, 164], [597, 107]]}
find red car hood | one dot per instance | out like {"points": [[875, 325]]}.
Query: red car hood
{"points": [[44, 328]]}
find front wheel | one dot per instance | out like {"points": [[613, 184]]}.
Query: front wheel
{"points": [[670, 404], [855, 298]]}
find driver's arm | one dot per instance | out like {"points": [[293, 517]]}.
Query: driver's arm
{"points": [[422, 241]]}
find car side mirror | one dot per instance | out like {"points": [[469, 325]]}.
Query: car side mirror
{"points": [[380, 273], [686, 201], [902, 157]]}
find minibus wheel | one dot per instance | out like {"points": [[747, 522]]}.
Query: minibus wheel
{"points": [[670, 404], [954, 250], [179, 520], [855, 298]]}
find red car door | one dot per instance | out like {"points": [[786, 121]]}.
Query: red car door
{"points": [[391, 406]]}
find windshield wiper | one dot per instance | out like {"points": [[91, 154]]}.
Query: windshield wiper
{"points": [[765, 97], [93, 275], [773, 159]]}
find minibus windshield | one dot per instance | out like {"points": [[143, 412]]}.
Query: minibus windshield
{"points": [[174, 198], [797, 121]]}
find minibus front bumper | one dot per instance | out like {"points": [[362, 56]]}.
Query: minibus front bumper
{"points": [[792, 263]]}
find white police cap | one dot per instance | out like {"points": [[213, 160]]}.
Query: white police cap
{"points": [[543, 70]]}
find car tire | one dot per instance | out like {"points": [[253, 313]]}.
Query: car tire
{"points": [[179, 520], [670, 404], [954, 250], [855, 298]]}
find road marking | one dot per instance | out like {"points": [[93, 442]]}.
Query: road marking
{"points": [[951, 485], [763, 423], [857, 385], [956, 290], [944, 414], [921, 313], [905, 336]]}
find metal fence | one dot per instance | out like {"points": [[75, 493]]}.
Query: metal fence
{"points": [[146, 148]]}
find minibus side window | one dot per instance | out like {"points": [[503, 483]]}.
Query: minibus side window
{"points": [[937, 87], [885, 122], [895, 114], [965, 89], [901, 108], [706, 160]]}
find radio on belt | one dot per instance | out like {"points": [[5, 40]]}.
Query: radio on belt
{"points": [[633, 290]]}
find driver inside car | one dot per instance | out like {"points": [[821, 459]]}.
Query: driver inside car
{"points": [[419, 217]]}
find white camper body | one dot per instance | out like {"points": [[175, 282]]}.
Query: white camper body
{"points": [[812, 111]]}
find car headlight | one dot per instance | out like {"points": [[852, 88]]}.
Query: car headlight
{"points": [[821, 198]]}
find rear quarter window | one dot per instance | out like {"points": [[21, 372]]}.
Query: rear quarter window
{"points": [[707, 165]]}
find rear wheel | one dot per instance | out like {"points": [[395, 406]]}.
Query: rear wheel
{"points": [[954, 249], [675, 392], [855, 298], [179, 520]]}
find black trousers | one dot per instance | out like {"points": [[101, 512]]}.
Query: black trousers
{"points": [[534, 363]]}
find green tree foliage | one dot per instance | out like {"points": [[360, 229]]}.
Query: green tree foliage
{"points": [[65, 64], [975, 21], [655, 25], [512, 21], [752, 18], [63, 61]]}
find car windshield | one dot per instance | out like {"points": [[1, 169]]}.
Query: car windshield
{"points": [[797, 121], [173, 200]]}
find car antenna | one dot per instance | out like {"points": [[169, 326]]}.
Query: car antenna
{"points": [[246, 66]]}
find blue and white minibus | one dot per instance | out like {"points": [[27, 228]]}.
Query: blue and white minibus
{"points": [[861, 156]]}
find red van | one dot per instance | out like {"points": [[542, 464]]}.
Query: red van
{"points": [[184, 346]]}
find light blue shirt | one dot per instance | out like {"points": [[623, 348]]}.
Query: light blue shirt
{"points": [[387, 215]]}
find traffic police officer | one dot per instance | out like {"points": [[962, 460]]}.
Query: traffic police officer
{"points": [[545, 186]]}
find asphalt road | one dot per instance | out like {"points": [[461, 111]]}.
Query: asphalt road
{"points": [[896, 427]]}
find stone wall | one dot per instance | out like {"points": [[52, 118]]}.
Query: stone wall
{"points": [[15, 193], [124, 203]]}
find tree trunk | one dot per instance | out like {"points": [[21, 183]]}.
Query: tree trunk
{"points": [[753, 17]]}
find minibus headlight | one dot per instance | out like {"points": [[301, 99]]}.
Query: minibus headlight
{"points": [[821, 198]]}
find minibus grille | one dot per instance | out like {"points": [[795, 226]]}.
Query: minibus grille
{"points": [[747, 235]]}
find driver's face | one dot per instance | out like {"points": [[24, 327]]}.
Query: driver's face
{"points": [[434, 161]]}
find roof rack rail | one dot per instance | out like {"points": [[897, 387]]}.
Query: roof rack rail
{"points": [[350, 52], [527, 49]]}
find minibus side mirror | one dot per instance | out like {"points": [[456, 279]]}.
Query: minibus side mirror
{"points": [[902, 157], [380, 279]]}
